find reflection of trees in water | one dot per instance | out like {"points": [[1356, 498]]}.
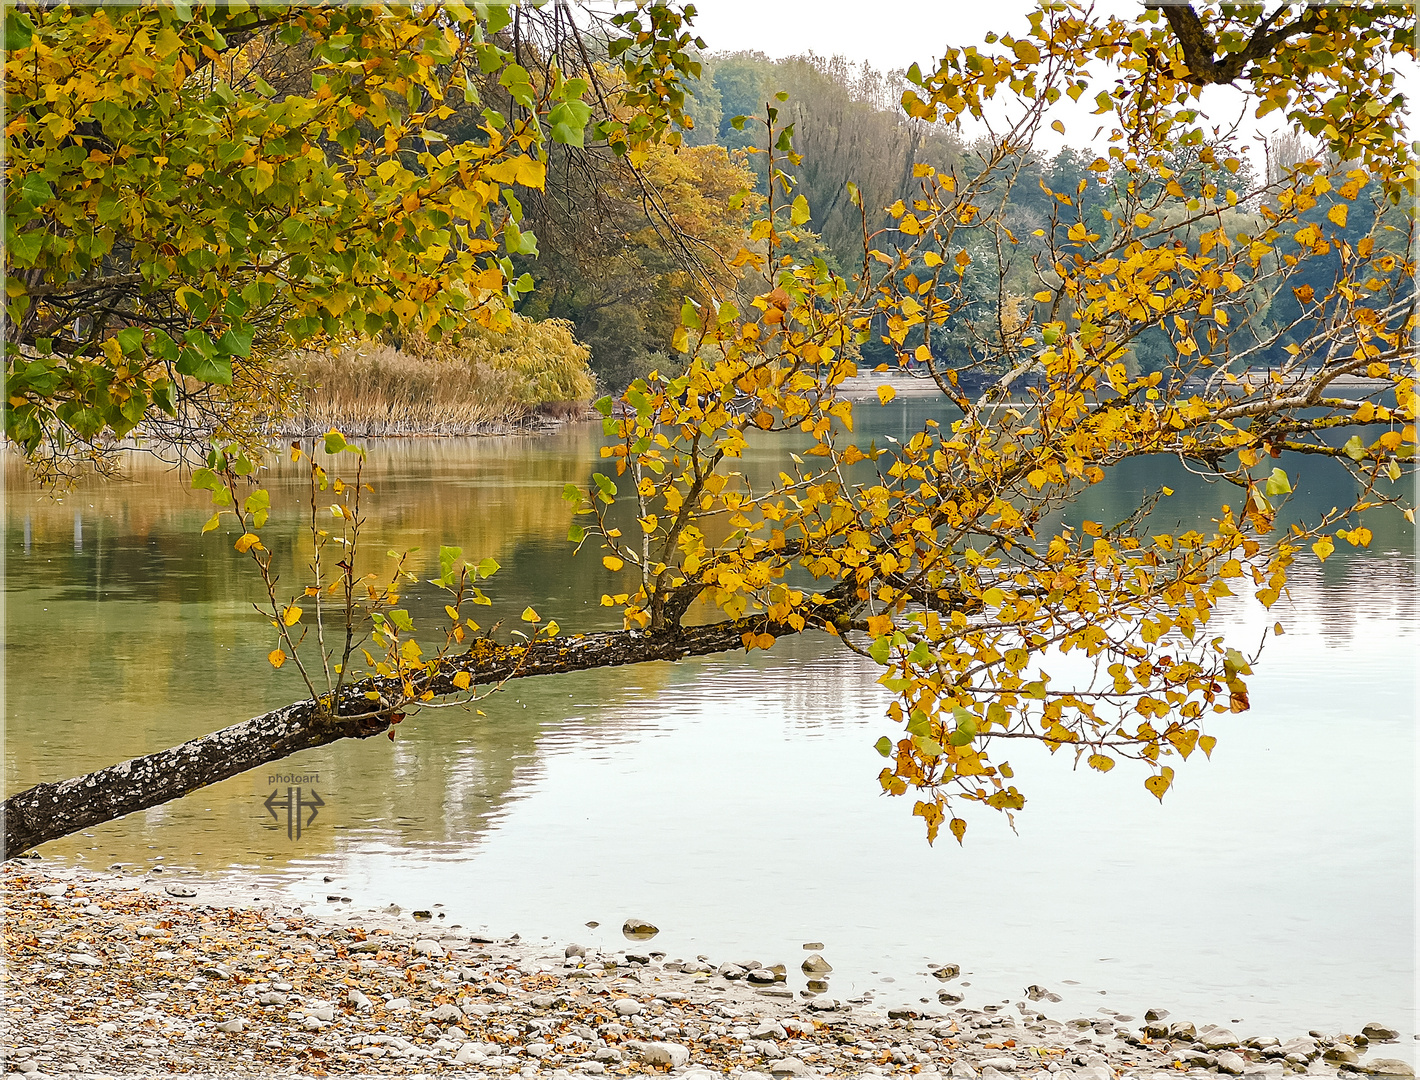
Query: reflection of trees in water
{"points": [[1339, 601], [173, 650]]}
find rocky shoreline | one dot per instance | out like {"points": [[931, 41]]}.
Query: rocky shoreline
{"points": [[112, 974]]}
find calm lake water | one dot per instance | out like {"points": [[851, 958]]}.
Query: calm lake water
{"points": [[733, 801]]}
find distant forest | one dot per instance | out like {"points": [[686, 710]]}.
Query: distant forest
{"points": [[621, 247]]}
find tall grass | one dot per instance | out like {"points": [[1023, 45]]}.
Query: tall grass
{"points": [[489, 382]]}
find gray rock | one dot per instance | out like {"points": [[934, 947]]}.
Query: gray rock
{"points": [[947, 971], [1183, 1031], [1219, 1039], [788, 1066], [235, 1025], [1002, 1064], [730, 971], [179, 890], [85, 960], [398, 1005], [768, 1030], [639, 929], [626, 1006], [312, 1023], [1156, 1031], [445, 1014], [1387, 1067], [762, 976], [272, 997], [815, 964], [425, 947], [537, 1049], [358, 999], [322, 1011], [823, 1004], [54, 891], [1154, 1015], [1341, 1054], [1380, 1033], [1230, 1062], [962, 1070], [1094, 1072], [574, 950], [950, 997]]}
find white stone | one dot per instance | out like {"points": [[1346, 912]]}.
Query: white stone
{"points": [[626, 1006], [1004, 1064], [1230, 1062], [666, 1054]]}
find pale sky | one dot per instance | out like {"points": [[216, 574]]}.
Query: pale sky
{"points": [[887, 33], [896, 33]]}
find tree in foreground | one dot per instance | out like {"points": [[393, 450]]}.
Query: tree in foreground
{"points": [[944, 558]]}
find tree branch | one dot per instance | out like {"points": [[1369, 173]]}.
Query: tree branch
{"points": [[52, 810]]}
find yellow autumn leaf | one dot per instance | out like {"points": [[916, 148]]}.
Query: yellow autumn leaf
{"points": [[611, 562], [529, 615], [247, 541], [886, 394], [292, 615], [276, 658], [1323, 547], [462, 680], [1337, 215]]}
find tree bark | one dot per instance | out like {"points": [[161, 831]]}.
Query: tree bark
{"points": [[52, 810]]}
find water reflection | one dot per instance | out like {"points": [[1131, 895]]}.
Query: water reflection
{"points": [[731, 800]]}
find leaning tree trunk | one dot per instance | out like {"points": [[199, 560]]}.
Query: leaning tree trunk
{"points": [[48, 811]]}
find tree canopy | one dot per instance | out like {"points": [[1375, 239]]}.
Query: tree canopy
{"points": [[195, 188], [950, 558]]}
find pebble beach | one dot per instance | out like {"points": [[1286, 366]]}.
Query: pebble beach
{"points": [[116, 974]]}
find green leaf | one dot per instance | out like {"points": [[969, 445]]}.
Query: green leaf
{"points": [[918, 724], [1278, 484], [883, 746], [799, 211], [401, 619], [334, 442], [880, 650], [1355, 449], [569, 122], [448, 557], [930, 747], [603, 405], [25, 247], [576, 534], [488, 567]]}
